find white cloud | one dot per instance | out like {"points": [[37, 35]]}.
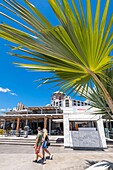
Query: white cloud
{"points": [[5, 110], [8, 109], [4, 90], [2, 110], [13, 94]]}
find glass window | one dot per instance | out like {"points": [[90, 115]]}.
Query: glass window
{"points": [[74, 103], [82, 103], [59, 97], [54, 97], [78, 103], [74, 125], [67, 103], [60, 103]]}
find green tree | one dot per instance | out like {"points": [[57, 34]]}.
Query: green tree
{"points": [[77, 50], [96, 98]]}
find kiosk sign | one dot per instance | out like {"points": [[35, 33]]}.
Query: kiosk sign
{"points": [[81, 110]]}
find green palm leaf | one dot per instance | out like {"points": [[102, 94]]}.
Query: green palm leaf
{"points": [[77, 50], [96, 98]]}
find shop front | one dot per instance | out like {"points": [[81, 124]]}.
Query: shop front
{"points": [[16, 123], [83, 130]]}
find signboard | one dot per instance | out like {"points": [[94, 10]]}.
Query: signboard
{"points": [[81, 110]]}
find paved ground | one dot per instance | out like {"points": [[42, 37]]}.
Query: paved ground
{"points": [[15, 157]]}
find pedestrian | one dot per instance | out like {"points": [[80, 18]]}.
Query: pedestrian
{"points": [[45, 146], [38, 145], [26, 130]]}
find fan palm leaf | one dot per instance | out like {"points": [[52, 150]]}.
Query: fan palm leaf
{"points": [[106, 165], [96, 98], [77, 50]]}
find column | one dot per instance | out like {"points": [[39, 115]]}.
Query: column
{"points": [[76, 127], [17, 126], [106, 124], [110, 125], [49, 126], [56, 111], [4, 124], [45, 122], [37, 123], [26, 122], [26, 119], [4, 128], [12, 125]]}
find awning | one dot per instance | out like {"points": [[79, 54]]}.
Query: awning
{"points": [[57, 120]]}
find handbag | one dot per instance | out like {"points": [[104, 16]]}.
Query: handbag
{"points": [[48, 142]]}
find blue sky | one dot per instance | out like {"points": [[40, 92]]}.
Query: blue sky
{"points": [[18, 84]]}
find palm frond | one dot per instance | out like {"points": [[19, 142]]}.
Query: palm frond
{"points": [[77, 50]]}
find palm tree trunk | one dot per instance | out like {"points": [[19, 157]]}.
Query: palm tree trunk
{"points": [[105, 92]]}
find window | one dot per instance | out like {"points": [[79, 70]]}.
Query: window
{"points": [[60, 103], [59, 97], [75, 125], [54, 97], [82, 103], [67, 103], [56, 103], [78, 103], [74, 102]]}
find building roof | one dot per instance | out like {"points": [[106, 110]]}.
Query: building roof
{"points": [[58, 92], [43, 108], [30, 116], [36, 110]]}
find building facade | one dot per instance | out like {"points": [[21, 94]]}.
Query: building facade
{"points": [[59, 99], [63, 116]]}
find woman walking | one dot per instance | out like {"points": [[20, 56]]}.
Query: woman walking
{"points": [[44, 145]]}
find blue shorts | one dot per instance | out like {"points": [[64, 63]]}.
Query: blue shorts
{"points": [[44, 145]]}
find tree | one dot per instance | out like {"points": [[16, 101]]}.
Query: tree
{"points": [[96, 98], [77, 50]]}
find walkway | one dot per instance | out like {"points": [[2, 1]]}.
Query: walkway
{"points": [[13, 157]]}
